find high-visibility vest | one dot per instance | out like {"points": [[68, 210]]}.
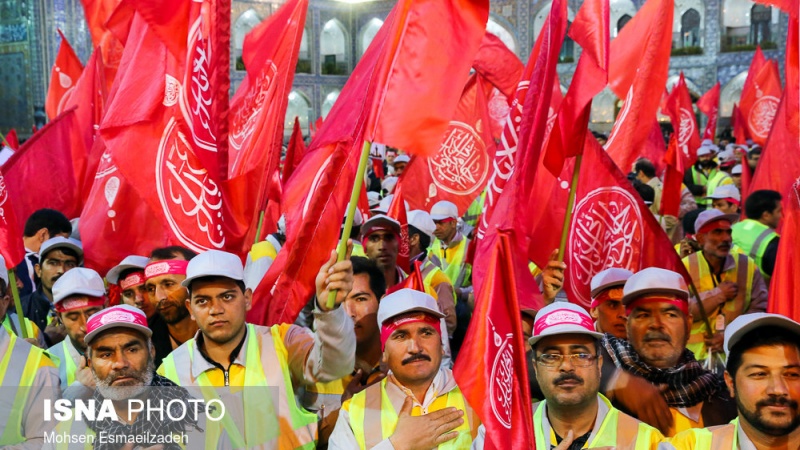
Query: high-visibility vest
{"points": [[718, 178], [475, 210], [618, 430], [753, 237], [456, 268], [14, 328], [66, 366], [18, 366], [281, 426], [721, 437], [373, 417], [699, 178], [742, 274], [358, 250]]}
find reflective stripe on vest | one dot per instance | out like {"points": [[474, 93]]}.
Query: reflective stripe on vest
{"points": [[722, 437], [14, 327], [373, 418], [66, 365], [264, 424], [753, 237], [716, 180], [454, 268], [17, 369], [743, 271], [700, 179]]}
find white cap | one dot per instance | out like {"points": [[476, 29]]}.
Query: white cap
{"points": [[726, 156], [130, 262], [422, 221], [374, 198], [78, 281], [444, 210], [707, 142], [214, 263], [120, 316], [383, 205], [406, 301], [388, 184], [749, 322], [654, 280], [282, 224], [3, 271], [401, 159], [61, 242], [606, 279], [726, 191], [358, 218], [380, 222], [711, 215], [706, 150], [562, 318], [737, 170]]}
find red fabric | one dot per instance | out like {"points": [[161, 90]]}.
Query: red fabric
{"points": [[423, 67], [397, 211], [414, 280], [66, 71], [10, 236], [654, 149], [679, 109], [43, 173], [458, 172], [168, 19], [792, 66], [708, 104], [590, 30], [101, 17], [739, 128], [759, 101], [673, 180], [491, 369], [785, 285], [498, 64], [12, 139], [294, 151], [638, 74], [97, 13], [788, 6]]}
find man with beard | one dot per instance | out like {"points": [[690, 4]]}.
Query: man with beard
{"points": [[163, 276], [728, 284], [380, 236], [566, 351], [763, 375], [704, 176], [418, 404], [121, 358], [606, 308], [78, 294]]}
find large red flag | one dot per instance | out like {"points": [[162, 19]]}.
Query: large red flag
{"points": [[10, 237], [708, 104], [398, 212], [638, 74], [413, 108], [654, 148], [66, 71], [458, 172], [294, 151], [101, 17], [12, 139], [498, 64], [759, 101], [491, 369], [739, 128], [673, 179], [785, 285], [679, 109]]}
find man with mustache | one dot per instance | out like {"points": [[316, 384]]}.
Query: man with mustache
{"points": [[606, 308], [418, 405], [705, 175], [729, 285], [763, 375], [652, 375], [380, 236]]}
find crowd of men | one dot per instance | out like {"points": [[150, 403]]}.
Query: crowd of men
{"points": [[648, 366]]}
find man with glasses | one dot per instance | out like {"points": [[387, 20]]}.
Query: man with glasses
{"points": [[566, 351]]}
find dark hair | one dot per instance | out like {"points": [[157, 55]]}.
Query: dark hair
{"points": [[239, 283], [54, 221], [355, 232], [424, 239], [377, 283], [761, 201], [65, 250], [647, 193], [124, 274], [767, 336], [646, 167], [689, 219], [172, 252], [755, 150]]}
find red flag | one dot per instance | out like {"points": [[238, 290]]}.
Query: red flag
{"points": [[12, 139], [66, 71], [458, 172], [414, 280], [498, 64], [168, 19], [673, 179], [709, 105], [419, 91], [785, 286], [759, 101], [294, 151], [654, 148], [97, 13], [108, 22], [590, 30], [780, 160], [638, 73], [10, 237], [739, 127], [679, 109], [792, 74], [398, 212], [788, 6], [491, 369]]}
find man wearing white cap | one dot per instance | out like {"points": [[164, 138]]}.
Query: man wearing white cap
{"points": [[729, 284], [660, 381], [399, 164], [451, 246], [726, 199], [388, 184], [425, 407], [9, 319], [736, 176], [756, 234], [704, 176], [606, 308], [763, 375], [78, 294], [227, 351], [129, 276], [567, 354], [380, 236], [56, 256]]}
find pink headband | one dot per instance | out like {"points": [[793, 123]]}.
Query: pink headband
{"points": [[169, 267], [388, 329], [562, 317], [607, 295], [681, 304], [132, 280], [79, 303]]}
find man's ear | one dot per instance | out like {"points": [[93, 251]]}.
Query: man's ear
{"points": [[731, 385], [248, 299], [38, 269], [42, 235], [594, 313]]}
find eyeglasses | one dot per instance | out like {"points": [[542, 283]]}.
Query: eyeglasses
{"points": [[554, 360]]}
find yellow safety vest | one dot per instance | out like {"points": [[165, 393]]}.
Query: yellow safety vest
{"points": [[475, 210], [265, 424], [699, 178], [717, 178], [33, 330], [373, 418], [66, 365], [455, 268], [753, 237], [358, 250], [721, 437], [742, 274], [18, 368], [618, 430]]}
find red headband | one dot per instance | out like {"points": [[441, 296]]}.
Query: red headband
{"points": [[711, 226], [683, 305], [607, 295], [168, 267], [562, 317], [132, 280], [388, 329], [379, 228], [79, 303]]}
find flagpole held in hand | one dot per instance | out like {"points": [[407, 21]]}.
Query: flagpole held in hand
{"points": [[573, 187], [351, 212], [12, 281]]}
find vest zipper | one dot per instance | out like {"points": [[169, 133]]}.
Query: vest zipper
{"points": [[227, 377]]}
